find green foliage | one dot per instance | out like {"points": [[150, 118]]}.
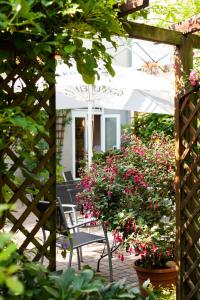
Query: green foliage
{"points": [[32, 33], [25, 280], [9, 281], [44, 27], [147, 124], [21, 279], [167, 294], [132, 190], [40, 284], [59, 176], [167, 12]]}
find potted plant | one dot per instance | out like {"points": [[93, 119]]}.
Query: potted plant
{"points": [[132, 190]]}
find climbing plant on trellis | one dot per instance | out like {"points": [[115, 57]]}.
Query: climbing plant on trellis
{"points": [[23, 93], [61, 120], [32, 33]]}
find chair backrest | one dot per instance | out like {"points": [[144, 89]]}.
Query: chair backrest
{"points": [[61, 223], [67, 193], [61, 220], [68, 176], [64, 195]]}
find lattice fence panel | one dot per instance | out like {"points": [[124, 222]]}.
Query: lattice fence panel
{"points": [[190, 193], [24, 88], [61, 119]]}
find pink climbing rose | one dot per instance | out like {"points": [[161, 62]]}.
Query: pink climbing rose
{"points": [[193, 78]]}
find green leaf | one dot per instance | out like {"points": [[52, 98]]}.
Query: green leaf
{"points": [[47, 2], [70, 49], [52, 292], [14, 285], [110, 69], [7, 252], [19, 121], [25, 8], [2, 275], [12, 269], [3, 21], [87, 274], [29, 175], [4, 207], [5, 238], [42, 48], [88, 79]]}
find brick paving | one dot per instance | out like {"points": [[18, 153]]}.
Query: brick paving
{"points": [[91, 253]]}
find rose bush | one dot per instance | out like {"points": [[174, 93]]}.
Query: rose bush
{"points": [[132, 190]]}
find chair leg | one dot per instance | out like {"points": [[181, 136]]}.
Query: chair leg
{"points": [[109, 254], [81, 254], [44, 239], [70, 258], [79, 258]]}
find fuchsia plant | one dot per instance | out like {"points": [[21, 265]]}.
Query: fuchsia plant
{"points": [[132, 190]]}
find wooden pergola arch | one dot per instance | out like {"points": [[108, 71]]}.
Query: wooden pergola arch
{"points": [[187, 115], [187, 142]]}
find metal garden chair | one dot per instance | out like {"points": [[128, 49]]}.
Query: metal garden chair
{"points": [[67, 176], [69, 238], [75, 239]]}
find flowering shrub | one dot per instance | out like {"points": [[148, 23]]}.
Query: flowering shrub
{"points": [[132, 190]]}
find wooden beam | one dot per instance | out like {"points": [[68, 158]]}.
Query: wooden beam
{"points": [[159, 35], [131, 6], [188, 26]]}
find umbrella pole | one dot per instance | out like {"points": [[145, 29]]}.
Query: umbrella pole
{"points": [[90, 130]]}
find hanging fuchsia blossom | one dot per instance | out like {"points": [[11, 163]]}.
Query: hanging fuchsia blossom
{"points": [[193, 78], [131, 190]]}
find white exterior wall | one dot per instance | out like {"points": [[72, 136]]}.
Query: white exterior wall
{"points": [[125, 115], [123, 58], [66, 161]]}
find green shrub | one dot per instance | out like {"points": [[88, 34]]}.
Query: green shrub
{"points": [[147, 124], [21, 279]]}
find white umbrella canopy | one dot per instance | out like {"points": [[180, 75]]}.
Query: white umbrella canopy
{"points": [[128, 90]]}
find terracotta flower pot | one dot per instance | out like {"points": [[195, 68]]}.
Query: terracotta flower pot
{"points": [[158, 277]]}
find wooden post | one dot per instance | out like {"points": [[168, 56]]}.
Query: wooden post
{"points": [[183, 66], [52, 173]]}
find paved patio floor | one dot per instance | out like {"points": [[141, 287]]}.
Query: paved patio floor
{"points": [[91, 253]]}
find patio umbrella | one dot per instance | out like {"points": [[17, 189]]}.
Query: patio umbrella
{"points": [[129, 90]]}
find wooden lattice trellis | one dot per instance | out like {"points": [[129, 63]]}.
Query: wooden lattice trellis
{"points": [[19, 90], [61, 116], [190, 193]]}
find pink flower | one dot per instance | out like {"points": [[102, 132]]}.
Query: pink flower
{"points": [[118, 237], [127, 190], [153, 248], [151, 204], [123, 148], [193, 78], [130, 250], [109, 193], [168, 253], [122, 257]]}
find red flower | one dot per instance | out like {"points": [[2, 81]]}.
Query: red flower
{"points": [[109, 193], [153, 248]]}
